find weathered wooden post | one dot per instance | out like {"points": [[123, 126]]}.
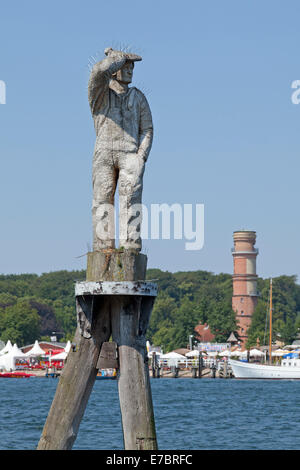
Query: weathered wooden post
{"points": [[120, 308], [115, 300], [153, 365], [200, 365], [225, 369], [75, 385]]}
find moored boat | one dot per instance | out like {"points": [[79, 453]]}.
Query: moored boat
{"points": [[289, 369], [15, 375], [106, 374]]}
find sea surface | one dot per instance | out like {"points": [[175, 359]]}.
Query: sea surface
{"points": [[190, 414]]}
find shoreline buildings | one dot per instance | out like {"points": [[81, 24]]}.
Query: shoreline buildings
{"points": [[244, 279]]}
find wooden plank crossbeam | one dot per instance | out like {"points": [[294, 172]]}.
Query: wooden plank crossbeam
{"points": [[108, 358]]}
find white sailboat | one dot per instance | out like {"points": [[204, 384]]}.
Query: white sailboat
{"points": [[289, 368]]}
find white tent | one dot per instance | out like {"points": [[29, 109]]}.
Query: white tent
{"points": [[16, 352], [225, 353], [8, 360], [172, 355], [236, 353], [172, 358], [7, 348], [60, 356], [193, 353], [35, 351], [256, 353], [279, 352], [253, 353], [244, 353], [212, 353]]}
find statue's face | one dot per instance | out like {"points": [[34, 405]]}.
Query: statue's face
{"points": [[124, 75]]}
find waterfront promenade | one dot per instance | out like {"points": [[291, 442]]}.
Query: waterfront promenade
{"points": [[166, 373]]}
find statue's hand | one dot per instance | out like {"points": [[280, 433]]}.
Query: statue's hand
{"points": [[110, 52]]}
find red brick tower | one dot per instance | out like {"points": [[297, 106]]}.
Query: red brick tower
{"points": [[244, 298]]}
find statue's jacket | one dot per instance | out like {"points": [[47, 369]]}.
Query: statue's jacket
{"points": [[123, 122]]}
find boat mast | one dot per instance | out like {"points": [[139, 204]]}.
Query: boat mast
{"points": [[270, 341]]}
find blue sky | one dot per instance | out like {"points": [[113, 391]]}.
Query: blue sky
{"points": [[218, 79]]}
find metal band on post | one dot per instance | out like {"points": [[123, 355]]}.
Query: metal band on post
{"points": [[86, 290], [145, 288]]}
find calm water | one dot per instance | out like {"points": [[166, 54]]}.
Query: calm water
{"points": [[190, 414]]}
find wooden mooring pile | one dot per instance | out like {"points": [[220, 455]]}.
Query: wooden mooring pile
{"points": [[114, 303]]}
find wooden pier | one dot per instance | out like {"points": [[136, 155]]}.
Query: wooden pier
{"points": [[224, 371]]}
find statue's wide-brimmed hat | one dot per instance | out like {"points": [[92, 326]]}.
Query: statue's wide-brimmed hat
{"points": [[109, 51]]}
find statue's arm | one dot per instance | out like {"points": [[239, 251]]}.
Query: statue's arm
{"points": [[100, 77], [146, 130], [102, 72]]}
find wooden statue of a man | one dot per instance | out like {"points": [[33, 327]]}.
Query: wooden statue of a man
{"points": [[124, 130]]}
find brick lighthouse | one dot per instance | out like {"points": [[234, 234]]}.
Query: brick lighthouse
{"points": [[244, 298]]}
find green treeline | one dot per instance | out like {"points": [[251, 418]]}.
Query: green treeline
{"points": [[285, 312], [186, 299], [33, 307]]}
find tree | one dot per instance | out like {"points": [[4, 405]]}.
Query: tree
{"points": [[188, 315], [66, 316], [7, 299], [185, 299], [287, 331], [165, 308], [259, 328], [222, 321], [165, 336], [19, 323]]}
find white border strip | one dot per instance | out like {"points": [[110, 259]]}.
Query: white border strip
{"points": [[116, 288]]}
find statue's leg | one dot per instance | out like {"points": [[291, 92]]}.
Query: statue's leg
{"points": [[105, 178], [130, 194]]}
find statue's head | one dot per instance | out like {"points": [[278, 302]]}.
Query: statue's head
{"points": [[124, 75]]}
